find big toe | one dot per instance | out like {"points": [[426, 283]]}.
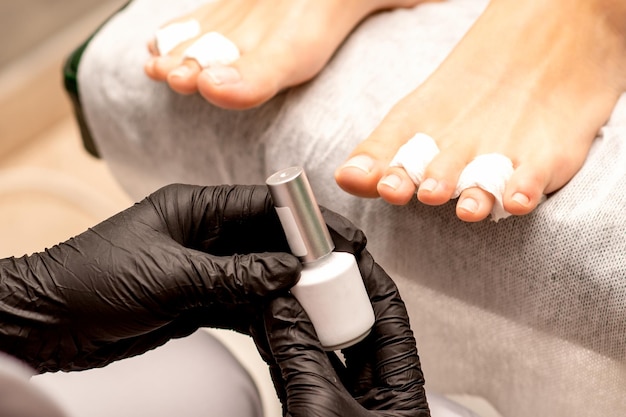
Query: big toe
{"points": [[261, 72], [369, 162], [360, 175]]}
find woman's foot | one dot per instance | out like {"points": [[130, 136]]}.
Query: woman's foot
{"points": [[282, 43], [532, 80]]}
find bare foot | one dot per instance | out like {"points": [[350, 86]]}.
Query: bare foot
{"points": [[532, 80], [283, 43]]}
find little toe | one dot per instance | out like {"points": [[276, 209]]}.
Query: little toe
{"points": [[153, 49], [396, 187], [525, 189], [150, 65], [474, 205]]}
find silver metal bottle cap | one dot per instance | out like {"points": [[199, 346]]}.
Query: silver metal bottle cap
{"points": [[299, 214]]}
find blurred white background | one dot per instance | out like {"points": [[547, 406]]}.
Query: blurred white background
{"points": [[50, 188]]}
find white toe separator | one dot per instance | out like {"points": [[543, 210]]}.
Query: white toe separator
{"points": [[172, 35], [211, 49], [415, 155], [489, 172]]}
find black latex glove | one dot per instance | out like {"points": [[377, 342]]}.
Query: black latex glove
{"points": [[142, 277], [382, 376]]}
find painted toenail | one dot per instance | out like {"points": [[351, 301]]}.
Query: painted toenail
{"points": [[392, 181], [469, 205], [521, 199], [220, 75], [362, 162], [429, 185]]}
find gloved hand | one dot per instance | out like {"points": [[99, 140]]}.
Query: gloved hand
{"points": [[382, 375], [183, 258]]}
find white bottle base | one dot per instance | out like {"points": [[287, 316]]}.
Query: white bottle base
{"points": [[332, 293], [348, 343]]}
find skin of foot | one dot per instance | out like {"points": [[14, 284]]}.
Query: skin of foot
{"points": [[533, 80], [282, 43]]}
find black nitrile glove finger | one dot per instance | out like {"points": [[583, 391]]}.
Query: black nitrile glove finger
{"points": [[382, 375], [184, 257], [312, 386], [369, 375], [385, 368]]}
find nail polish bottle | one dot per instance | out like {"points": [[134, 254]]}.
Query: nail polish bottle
{"points": [[330, 289]]}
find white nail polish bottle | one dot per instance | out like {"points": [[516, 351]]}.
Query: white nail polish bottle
{"points": [[330, 288]]}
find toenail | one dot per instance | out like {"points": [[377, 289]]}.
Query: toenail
{"points": [[362, 162], [181, 72], [392, 181], [429, 185], [223, 74], [469, 205], [150, 65], [521, 199]]}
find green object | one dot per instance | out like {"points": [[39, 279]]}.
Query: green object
{"points": [[70, 81]]}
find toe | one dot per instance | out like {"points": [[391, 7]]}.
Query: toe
{"points": [[474, 205], [225, 87], [525, 189], [237, 87], [152, 48], [441, 176], [396, 187], [278, 61], [359, 175], [253, 79], [183, 79], [150, 68], [369, 162], [162, 66]]}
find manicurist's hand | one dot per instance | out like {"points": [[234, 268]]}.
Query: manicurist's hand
{"points": [[382, 374], [182, 258]]}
